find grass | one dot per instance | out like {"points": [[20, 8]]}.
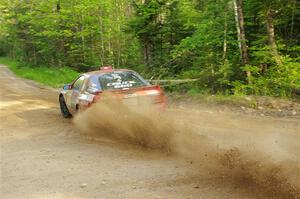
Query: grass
{"points": [[218, 99], [50, 76]]}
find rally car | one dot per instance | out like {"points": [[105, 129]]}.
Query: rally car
{"points": [[126, 85]]}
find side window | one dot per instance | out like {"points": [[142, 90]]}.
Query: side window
{"points": [[93, 85], [78, 84]]}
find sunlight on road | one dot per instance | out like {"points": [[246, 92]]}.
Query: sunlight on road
{"points": [[7, 104], [25, 104], [57, 196]]}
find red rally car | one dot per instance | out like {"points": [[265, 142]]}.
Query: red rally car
{"points": [[125, 84]]}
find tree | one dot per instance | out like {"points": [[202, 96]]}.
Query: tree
{"points": [[240, 24], [214, 41]]}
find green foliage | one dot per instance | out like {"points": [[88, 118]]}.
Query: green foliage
{"points": [[174, 39], [159, 25], [280, 81], [76, 33]]}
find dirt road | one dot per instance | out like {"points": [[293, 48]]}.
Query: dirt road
{"points": [[44, 156]]}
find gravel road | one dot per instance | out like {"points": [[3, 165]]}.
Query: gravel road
{"points": [[45, 156]]}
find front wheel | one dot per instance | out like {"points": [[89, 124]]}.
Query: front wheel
{"points": [[63, 108]]}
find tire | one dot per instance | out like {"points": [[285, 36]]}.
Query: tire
{"points": [[63, 108]]}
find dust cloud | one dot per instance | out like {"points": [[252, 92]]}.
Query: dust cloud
{"points": [[146, 126], [142, 126]]}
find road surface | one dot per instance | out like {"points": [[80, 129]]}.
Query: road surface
{"points": [[44, 156]]}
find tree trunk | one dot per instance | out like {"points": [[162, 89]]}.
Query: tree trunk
{"points": [[102, 49], [238, 29], [271, 38], [240, 25], [82, 36], [58, 6], [225, 37], [147, 53], [293, 21]]}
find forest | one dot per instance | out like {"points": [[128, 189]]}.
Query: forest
{"points": [[230, 47]]}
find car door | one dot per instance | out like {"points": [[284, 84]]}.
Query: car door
{"points": [[76, 89]]}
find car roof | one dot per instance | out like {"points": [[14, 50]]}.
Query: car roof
{"points": [[101, 72]]}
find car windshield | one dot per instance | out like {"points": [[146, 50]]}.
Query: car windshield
{"points": [[121, 80]]}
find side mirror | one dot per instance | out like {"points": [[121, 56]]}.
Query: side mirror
{"points": [[67, 87]]}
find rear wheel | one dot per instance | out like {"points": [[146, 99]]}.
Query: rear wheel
{"points": [[63, 108]]}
